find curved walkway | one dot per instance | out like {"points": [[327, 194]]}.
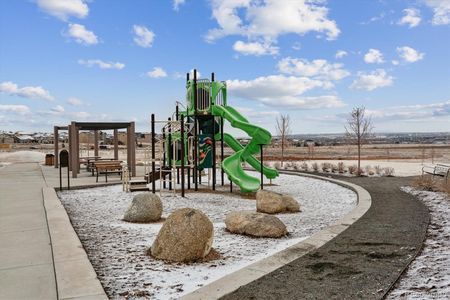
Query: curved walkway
{"points": [[364, 261]]}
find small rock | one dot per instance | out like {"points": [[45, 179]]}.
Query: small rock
{"points": [[145, 207], [186, 235], [255, 224]]}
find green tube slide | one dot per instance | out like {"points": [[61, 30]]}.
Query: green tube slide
{"points": [[232, 164]]}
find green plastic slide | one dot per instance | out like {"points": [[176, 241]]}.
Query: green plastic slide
{"points": [[232, 164]]}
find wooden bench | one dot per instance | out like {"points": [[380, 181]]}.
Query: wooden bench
{"points": [[91, 163], [108, 167], [437, 170]]}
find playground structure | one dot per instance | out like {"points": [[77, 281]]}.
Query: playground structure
{"points": [[189, 140]]}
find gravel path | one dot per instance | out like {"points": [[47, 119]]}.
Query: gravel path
{"points": [[362, 262]]}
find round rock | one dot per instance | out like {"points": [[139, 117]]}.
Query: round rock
{"points": [[290, 204], [186, 235], [272, 203], [145, 207], [255, 224]]}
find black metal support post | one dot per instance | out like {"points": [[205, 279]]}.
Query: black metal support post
{"points": [[153, 154], [195, 133], [214, 146], [262, 166], [221, 151], [164, 158], [182, 154], [177, 117], [169, 152]]}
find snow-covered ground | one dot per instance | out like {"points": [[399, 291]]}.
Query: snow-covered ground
{"points": [[21, 156], [117, 249], [428, 276]]}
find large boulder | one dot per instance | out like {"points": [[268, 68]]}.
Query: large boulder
{"points": [[186, 235], [290, 204], [255, 224], [273, 203], [145, 207]]}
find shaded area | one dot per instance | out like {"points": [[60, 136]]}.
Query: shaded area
{"points": [[362, 262]]}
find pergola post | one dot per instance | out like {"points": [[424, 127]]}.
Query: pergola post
{"points": [[133, 148], [56, 144], [77, 147], [69, 130], [73, 143], [116, 144], [95, 142]]}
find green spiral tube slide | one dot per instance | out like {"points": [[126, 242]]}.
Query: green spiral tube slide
{"points": [[232, 164]]}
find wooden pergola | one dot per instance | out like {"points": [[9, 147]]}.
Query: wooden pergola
{"points": [[74, 142]]}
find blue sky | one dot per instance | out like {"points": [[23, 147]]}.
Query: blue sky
{"points": [[63, 60]]}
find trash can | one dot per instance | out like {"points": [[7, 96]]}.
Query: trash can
{"points": [[49, 159]]}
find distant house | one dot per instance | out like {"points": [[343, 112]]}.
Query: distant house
{"points": [[24, 139], [6, 138]]}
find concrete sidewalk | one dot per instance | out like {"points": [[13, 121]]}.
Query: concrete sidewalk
{"points": [[26, 260], [41, 256]]}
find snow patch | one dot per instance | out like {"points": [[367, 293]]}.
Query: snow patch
{"points": [[428, 276]]}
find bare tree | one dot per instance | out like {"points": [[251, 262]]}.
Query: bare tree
{"points": [[283, 130], [358, 129]]}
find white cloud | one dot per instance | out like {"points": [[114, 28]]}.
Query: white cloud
{"points": [[82, 35], [373, 80], [409, 55], [74, 101], [101, 64], [377, 18], [441, 9], [284, 91], [269, 19], [32, 92], [252, 113], [157, 72], [19, 109], [374, 56], [395, 62], [143, 36], [58, 109], [412, 112], [255, 48], [411, 17], [177, 3], [63, 9], [318, 68], [341, 54]]}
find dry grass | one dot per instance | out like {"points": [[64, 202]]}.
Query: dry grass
{"points": [[389, 172], [304, 166], [431, 183], [352, 169], [315, 166]]}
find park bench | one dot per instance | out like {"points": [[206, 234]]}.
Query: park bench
{"points": [[92, 161], [108, 167], [437, 170]]}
